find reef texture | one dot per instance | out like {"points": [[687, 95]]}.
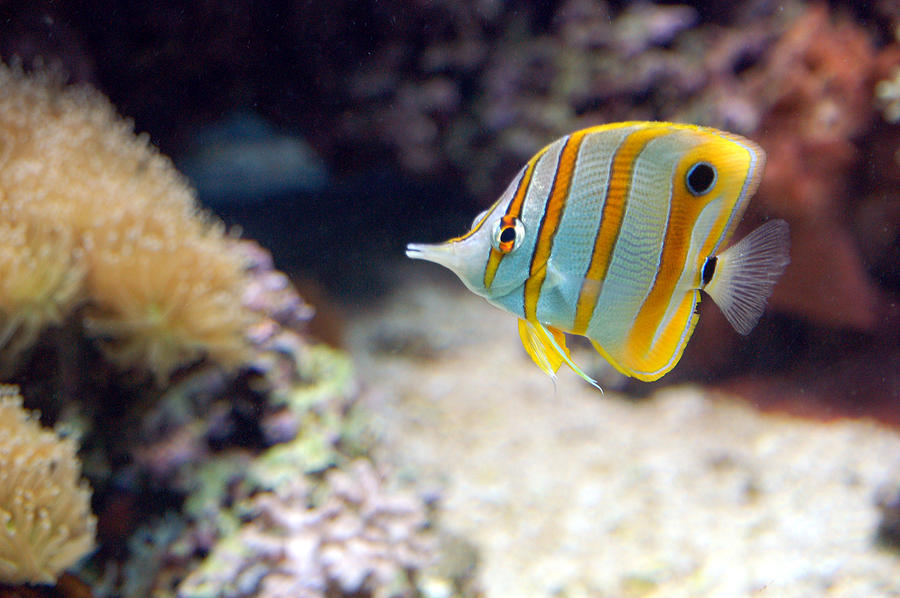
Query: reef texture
{"points": [[460, 94], [247, 431], [274, 476], [305, 514], [46, 524], [564, 492], [454, 92], [360, 540]]}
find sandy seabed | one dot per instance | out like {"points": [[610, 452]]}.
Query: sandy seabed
{"points": [[569, 493]]}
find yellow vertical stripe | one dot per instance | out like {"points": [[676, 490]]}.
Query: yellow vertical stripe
{"points": [[739, 177], [514, 209], [671, 341], [617, 190], [490, 271], [648, 347], [553, 211], [682, 218]]}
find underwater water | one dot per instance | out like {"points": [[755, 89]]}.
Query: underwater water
{"points": [[204, 291]]}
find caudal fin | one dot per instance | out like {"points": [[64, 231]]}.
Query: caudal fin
{"points": [[746, 273]]}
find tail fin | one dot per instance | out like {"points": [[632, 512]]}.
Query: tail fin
{"points": [[746, 273]]}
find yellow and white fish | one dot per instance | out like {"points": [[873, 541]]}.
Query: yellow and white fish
{"points": [[611, 232]]}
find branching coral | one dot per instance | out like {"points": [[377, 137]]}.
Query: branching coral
{"points": [[360, 541], [87, 205], [46, 524], [495, 85]]}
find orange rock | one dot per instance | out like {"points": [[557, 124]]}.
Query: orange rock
{"points": [[818, 83]]}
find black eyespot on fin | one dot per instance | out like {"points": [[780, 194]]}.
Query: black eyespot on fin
{"points": [[709, 269], [700, 178], [508, 234]]}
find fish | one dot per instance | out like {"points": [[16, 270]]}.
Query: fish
{"points": [[244, 158], [611, 233]]}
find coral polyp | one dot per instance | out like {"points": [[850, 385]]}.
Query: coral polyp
{"points": [[41, 280], [163, 303], [46, 524]]}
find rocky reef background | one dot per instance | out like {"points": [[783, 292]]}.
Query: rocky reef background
{"points": [[333, 133], [413, 115]]}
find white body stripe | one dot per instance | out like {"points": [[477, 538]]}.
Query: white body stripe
{"points": [[751, 181], [574, 240], [514, 268], [637, 252], [689, 275]]}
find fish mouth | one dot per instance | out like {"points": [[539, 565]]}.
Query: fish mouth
{"points": [[459, 258], [444, 254], [416, 251]]}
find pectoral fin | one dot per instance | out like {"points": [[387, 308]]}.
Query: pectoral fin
{"points": [[547, 348]]}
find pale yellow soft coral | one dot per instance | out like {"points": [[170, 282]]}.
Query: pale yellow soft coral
{"points": [[46, 524], [68, 158], [160, 285], [41, 278], [166, 302]]}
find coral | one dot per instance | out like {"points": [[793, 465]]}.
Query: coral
{"points": [[161, 283], [293, 474], [319, 427], [269, 291], [41, 279], [151, 547], [362, 540], [47, 525], [482, 103], [161, 304], [887, 92]]}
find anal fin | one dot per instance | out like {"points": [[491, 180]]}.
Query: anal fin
{"points": [[547, 348]]}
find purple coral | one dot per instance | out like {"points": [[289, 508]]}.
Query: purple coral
{"points": [[360, 538]]}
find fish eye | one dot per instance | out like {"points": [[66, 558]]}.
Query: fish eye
{"points": [[701, 177], [508, 234]]}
